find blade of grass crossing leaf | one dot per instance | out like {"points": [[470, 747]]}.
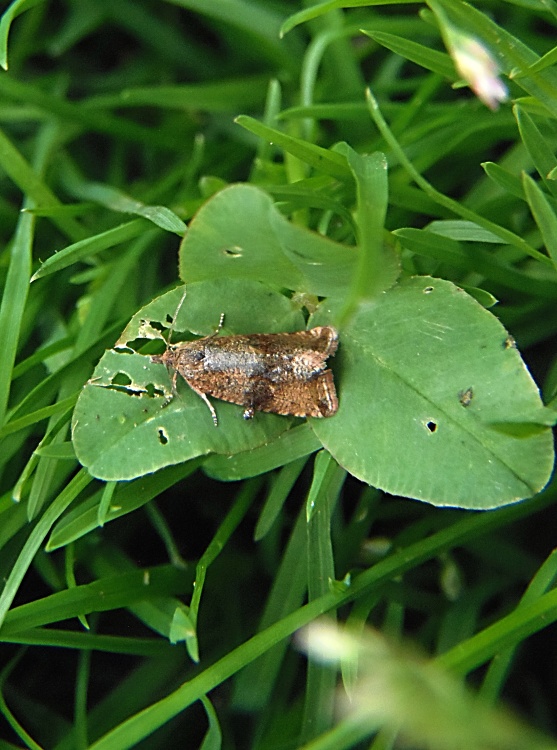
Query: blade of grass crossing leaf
{"points": [[100, 307], [372, 273], [38, 535], [330, 479], [323, 467], [543, 214], [13, 303], [145, 722]]}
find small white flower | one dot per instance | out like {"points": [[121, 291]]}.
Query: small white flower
{"points": [[478, 68]]}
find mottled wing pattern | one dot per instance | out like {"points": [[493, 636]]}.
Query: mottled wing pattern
{"points": [[283, 373], [322, 340], [315, 398]]}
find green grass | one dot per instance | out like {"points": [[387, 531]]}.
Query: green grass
{"points": [[288, 165]]}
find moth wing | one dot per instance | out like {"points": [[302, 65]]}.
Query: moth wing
{"points": [[322, 340], [313, 398], [302, 388], [227, 387]]}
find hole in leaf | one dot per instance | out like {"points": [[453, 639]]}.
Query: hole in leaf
{"points": [[152, 391], [143, 346], [122, 382], [163, 438], [121, 379], [431, 425], [233, 252], [428, 289]]}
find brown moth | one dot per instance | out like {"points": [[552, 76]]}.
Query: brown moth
{"points": [[283, 373]]}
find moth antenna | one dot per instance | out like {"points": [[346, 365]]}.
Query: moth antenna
{"points": [[174, 319], [220, 325]]}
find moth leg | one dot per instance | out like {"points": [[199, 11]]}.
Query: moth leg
{"points": [[174, 393], [256, 398], [209, 404], [174, 386]]}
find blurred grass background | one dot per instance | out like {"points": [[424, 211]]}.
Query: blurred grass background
{"points": [[117, 122]]}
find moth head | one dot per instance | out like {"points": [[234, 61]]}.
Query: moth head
{"points": [[168, 357]]}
